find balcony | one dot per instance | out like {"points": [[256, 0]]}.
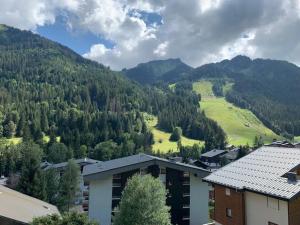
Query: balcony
{"points": [[116, 197], [116, 185], [186, 206], [85, 204], [186, 183]]}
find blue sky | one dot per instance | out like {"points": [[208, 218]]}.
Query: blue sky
{"points": [[80, 42]]}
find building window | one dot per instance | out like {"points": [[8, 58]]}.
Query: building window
{"points": [[162, 171], [143, 171], [186, 174], [270, 223], [228, 212], [227, 191], [117, 176]]}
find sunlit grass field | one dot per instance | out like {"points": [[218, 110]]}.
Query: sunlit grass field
{"points": [[240, 125], [161, 138]]}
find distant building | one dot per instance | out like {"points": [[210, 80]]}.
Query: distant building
{"points": [[283, 144], [232, 154], [188, 194], [61, 167], [19, 209], [210, 160], [262, 188]]}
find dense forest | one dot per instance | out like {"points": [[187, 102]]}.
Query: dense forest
{"points": [[47, 90], [269, 88]]}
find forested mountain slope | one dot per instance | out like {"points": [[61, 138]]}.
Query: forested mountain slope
{"points": [[47, 89], [269, 88]]}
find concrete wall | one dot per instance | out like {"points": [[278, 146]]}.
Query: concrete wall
{"points": [[100, 200], [198, 201], [261, 209]]}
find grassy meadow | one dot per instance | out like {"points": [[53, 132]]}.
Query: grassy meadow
{"points": [[240, 125], [161, 138]]}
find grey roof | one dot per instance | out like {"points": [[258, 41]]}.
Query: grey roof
{"points": [[213, 153], [96, 171], [83, 161], [231, 155], [23, 208], [262, 171]]}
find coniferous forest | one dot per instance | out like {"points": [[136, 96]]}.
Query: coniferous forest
{"points": [[83, 108]]}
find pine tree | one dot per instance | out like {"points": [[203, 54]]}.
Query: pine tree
{"points": [[32, 181], [69, 186]]}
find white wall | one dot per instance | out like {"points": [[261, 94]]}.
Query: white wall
{"points": [[198, 201], [260, 210], [100, 200]]}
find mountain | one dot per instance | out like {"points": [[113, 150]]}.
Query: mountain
{"points": [[169, 70], [49, 91], [269, 88]]}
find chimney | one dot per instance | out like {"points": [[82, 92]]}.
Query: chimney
{"points": [[292, 177]]}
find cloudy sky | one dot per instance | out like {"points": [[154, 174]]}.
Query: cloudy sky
{"points": [[123, 33]]}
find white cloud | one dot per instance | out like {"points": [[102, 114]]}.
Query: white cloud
{"points": [[197, 31], [161, 49]]}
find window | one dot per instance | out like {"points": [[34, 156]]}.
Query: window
{"points": [[186, 174], [117, 176], [143, 171], [227, 191], [270, 223], [228, 212], [162, 171]]}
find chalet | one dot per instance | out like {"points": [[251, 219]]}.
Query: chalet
{"points": [[187, 193], [210, 160], [262, 188], [19, 209], [232, 154]]}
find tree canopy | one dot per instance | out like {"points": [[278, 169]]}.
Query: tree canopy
{"points": [[143, 202], [71, 218]]}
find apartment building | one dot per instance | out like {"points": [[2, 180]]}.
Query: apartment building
{"points": [[187, 193], [262, 188]]}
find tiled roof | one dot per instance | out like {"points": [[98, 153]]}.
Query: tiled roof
{"points": [[262, 171]]}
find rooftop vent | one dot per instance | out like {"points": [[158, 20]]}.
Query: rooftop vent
{"points": [[292, 177]]}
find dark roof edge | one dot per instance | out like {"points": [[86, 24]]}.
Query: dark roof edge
{"points": [[253, 191], [14, 220]]}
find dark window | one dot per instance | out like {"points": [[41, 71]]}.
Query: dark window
{"points": [[228, 212], [270, 223]]}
